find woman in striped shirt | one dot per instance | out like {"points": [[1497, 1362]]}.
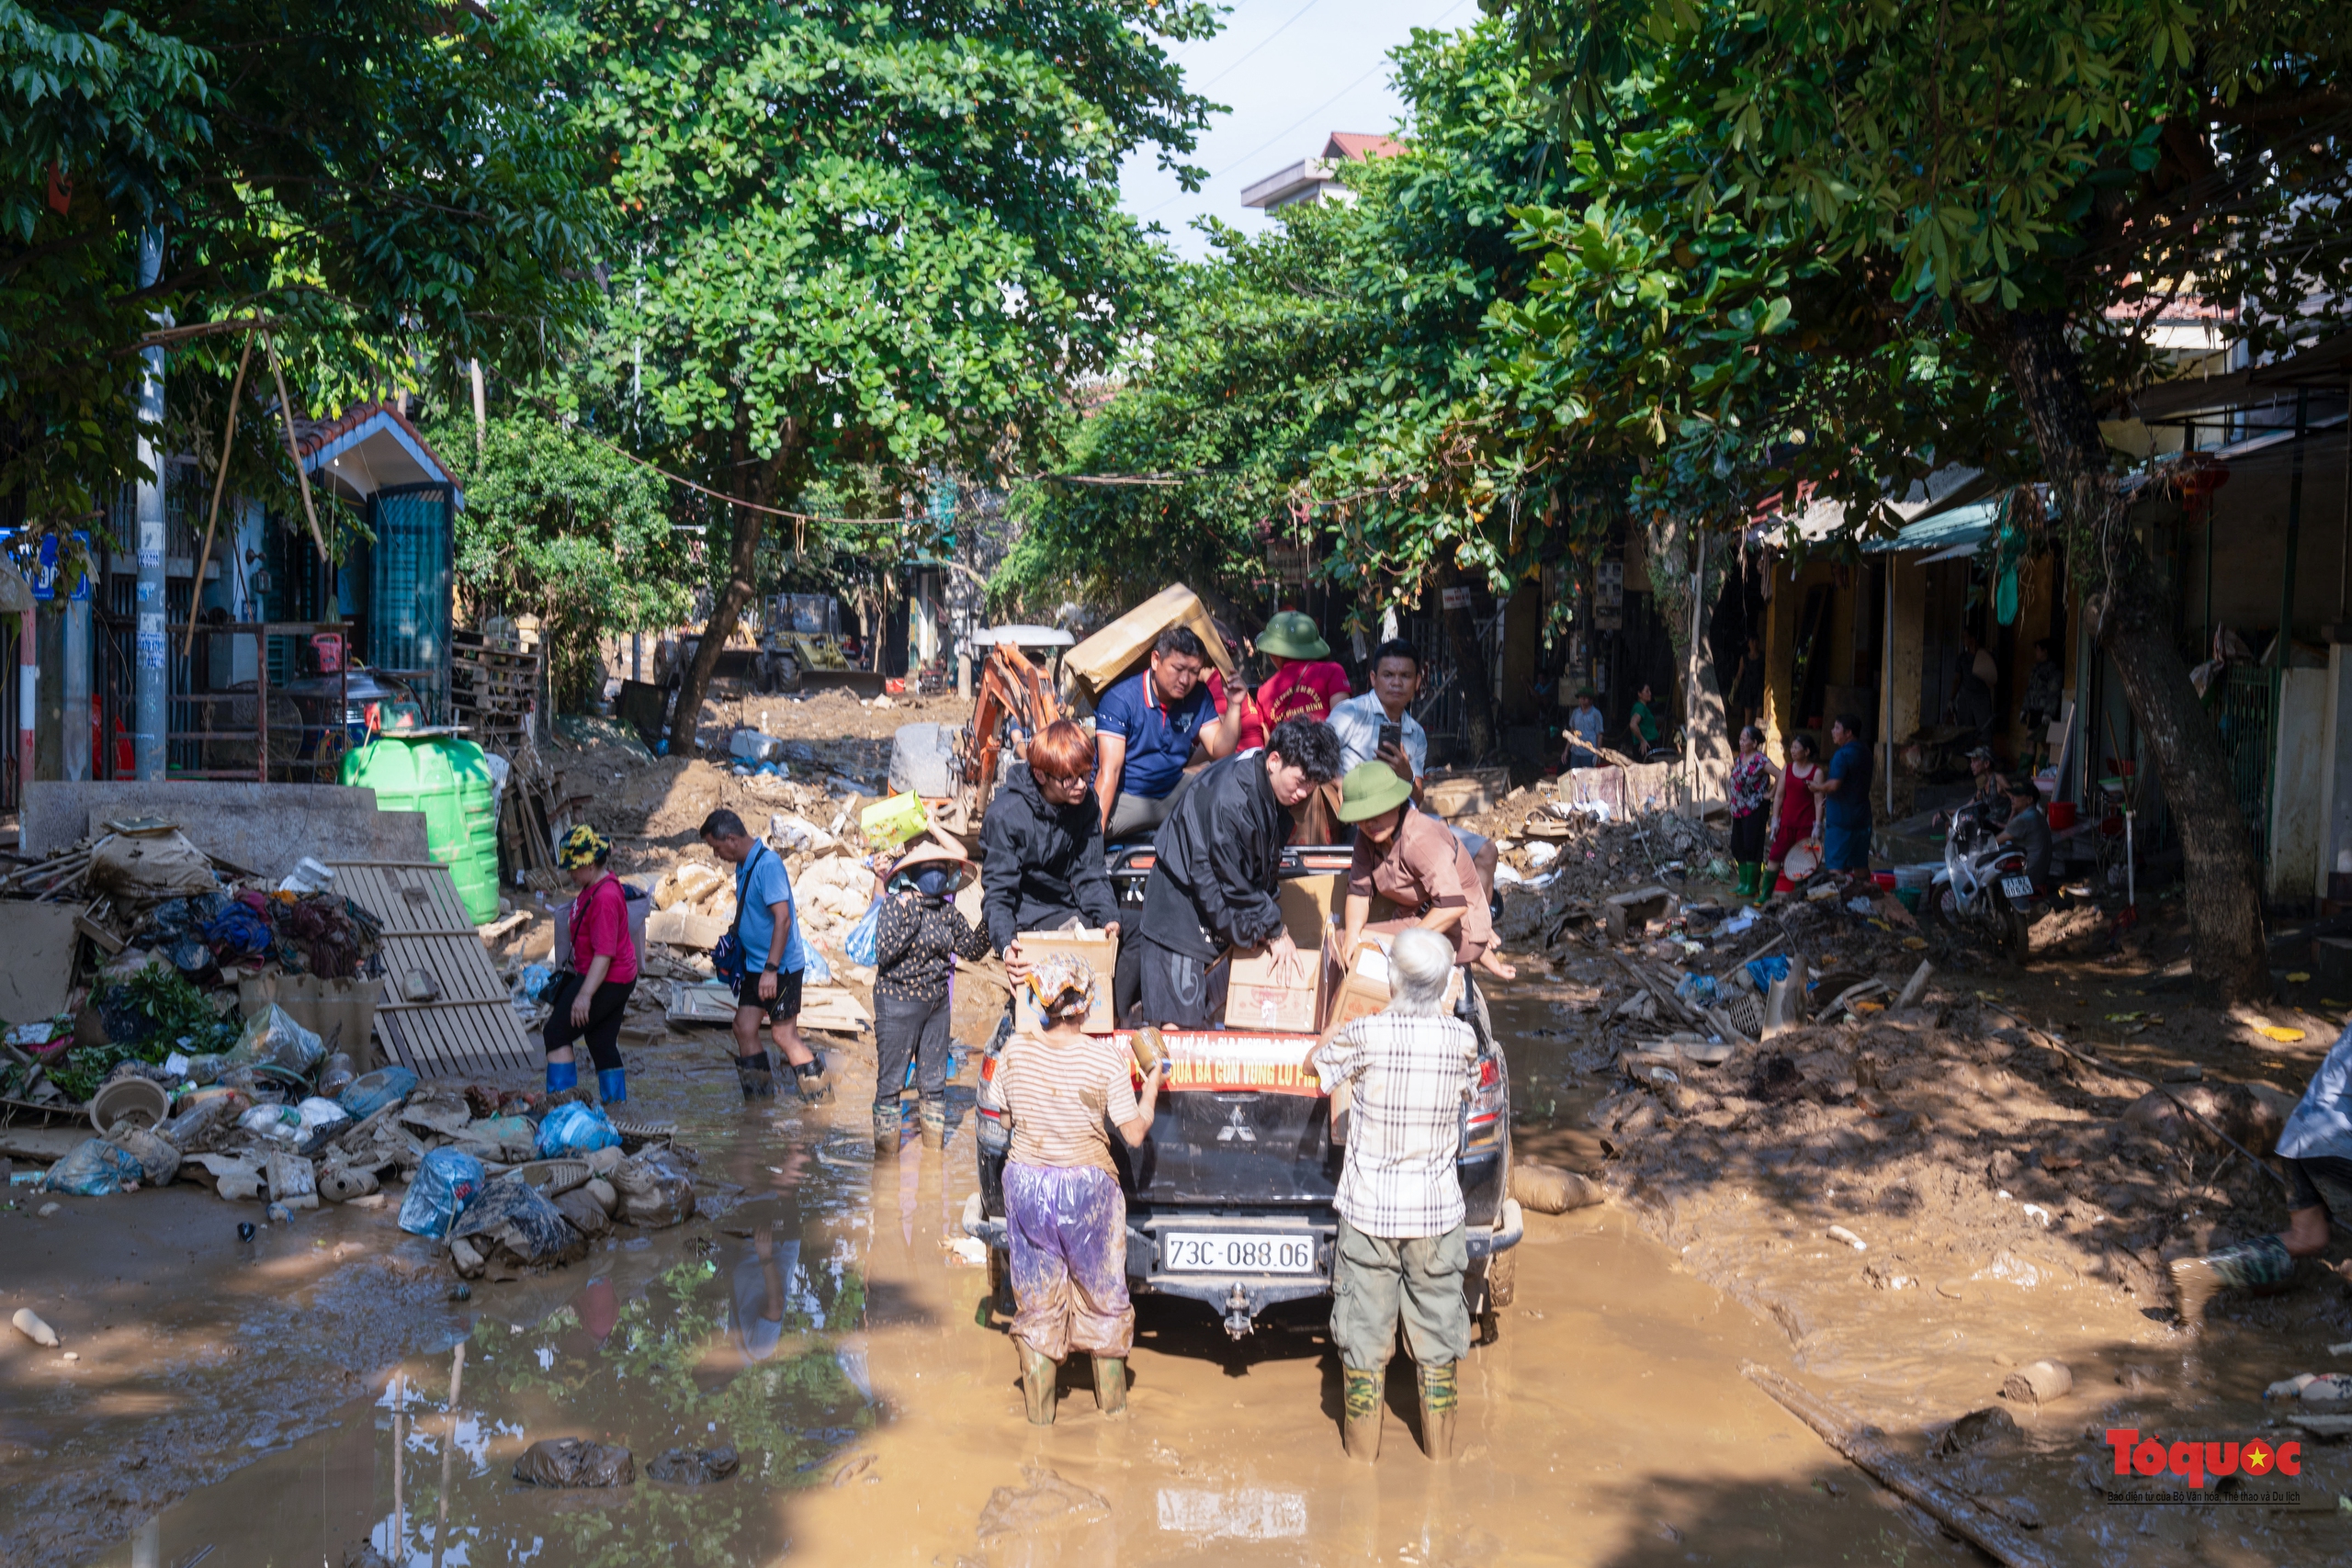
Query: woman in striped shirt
{"points": [[1065, 1216]]}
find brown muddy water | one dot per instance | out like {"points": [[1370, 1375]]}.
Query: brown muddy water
{"points": [[1606, 1422]]}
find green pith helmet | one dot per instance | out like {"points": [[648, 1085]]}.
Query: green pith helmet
{"points": [[1370, 789], [1292, 634]]}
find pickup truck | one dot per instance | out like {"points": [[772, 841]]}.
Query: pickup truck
{"points": [[1229, 1198]]}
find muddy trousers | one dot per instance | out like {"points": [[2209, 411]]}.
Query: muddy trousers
{"points": [[1066, 1227], [903, 1028], [1376, 1280]]}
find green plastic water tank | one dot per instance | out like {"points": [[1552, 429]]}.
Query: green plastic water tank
{"points": [[446, 778]]}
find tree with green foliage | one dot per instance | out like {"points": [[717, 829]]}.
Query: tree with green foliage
{"points": [[560, 526], [1315, 382], [855, 233], [387, 181], [2025, 186]]}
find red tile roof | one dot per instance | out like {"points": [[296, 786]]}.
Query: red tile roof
{"points": [[312, 434], [1358, 145]]}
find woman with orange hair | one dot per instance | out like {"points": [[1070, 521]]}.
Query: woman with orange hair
{"points": [[1041, 846]]}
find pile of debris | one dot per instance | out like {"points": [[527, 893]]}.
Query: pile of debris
{"points": [[502, 1177], [136, 947]]}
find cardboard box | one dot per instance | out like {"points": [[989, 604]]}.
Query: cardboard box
{"points": [[1255, 998], [684, 927], [1119, 649], [1363, 990], [1098, 949]]}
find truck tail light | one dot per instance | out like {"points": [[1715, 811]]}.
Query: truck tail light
{"points": [[1489, 1073]]}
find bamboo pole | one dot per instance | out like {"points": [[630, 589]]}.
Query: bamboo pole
{"points": [[293, 449], [219, 480]]}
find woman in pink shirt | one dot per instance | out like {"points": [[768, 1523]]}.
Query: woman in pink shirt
{"points": [[592, 993]]}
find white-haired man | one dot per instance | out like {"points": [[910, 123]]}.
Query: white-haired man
{"points": [[1401, 1247]]}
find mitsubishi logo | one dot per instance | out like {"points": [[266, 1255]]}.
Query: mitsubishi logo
{"points": [[1236, 1127]]}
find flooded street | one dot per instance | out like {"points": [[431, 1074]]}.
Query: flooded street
{"points": [[881, 1421], [817, 1320]]}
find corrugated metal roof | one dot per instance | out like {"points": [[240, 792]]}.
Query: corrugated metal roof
{"points": [[1961, 528]]}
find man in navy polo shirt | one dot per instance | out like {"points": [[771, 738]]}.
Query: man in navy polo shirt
{"points": [[1146, 729]]}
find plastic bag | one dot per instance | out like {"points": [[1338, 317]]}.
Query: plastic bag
{"points": [[272, 1039], [695, 1467], [158, 1157], [446, 1183], [95, 1168], [575, 1128], [574, 1461], [534, 982], [371, 1092], [513, 1137], [864, 942], [282, 1123], [515, 1217], [1764, 971]]}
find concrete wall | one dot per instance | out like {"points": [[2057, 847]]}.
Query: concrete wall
{"points": [[264, 827], [2296, 827]]}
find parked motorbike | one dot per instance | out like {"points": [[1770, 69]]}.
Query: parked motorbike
{"points": [[1982, 887]]}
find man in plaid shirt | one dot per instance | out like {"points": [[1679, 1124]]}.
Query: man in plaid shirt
{"points": [[1401, 1245]]}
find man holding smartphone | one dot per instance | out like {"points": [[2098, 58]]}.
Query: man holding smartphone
{"points": [[1379, 727]]}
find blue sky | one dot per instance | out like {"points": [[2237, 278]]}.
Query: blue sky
{"points": [[1293, 71]]}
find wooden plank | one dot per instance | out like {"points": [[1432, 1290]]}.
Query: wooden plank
{"points": [[470, 1027]]}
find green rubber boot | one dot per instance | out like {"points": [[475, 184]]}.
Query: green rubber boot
{"points": [[1111, 1384], [1038, 1371], [1441, 1393], [1359, 1412]]}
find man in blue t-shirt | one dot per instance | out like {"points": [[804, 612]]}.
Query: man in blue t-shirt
{"points": [[1846, 798], [772, 962], [1146, 729]]}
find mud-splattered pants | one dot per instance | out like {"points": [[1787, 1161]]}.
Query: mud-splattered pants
{"points": [[1068, 1227], [1376, 1280]]}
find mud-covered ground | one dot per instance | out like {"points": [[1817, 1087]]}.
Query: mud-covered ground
{"points": [[303, 1395]]}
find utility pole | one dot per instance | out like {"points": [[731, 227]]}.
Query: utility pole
{"points": [[151, 678]]}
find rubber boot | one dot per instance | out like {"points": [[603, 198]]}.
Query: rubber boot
{"points": [[563, 1076], [1760, 888], [1441, 1393], [1746, 887], [757, 1077], [931, 1117], [612, 1085], [1111, 1384], [1037, 1374], [1359, 1412], [885, 1128], [2250, 1265], [808, 1078]]}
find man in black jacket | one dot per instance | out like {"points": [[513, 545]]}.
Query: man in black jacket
{"points": [[1041, 846], [1219, 862]]}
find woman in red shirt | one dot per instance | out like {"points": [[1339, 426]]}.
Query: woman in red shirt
{"points": [[592, 994]]}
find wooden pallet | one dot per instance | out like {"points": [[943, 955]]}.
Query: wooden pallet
{"points": [[469, 1027]]}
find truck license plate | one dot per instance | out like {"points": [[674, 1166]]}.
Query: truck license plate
{"points": [[1237, 1253], [2017, 888]]}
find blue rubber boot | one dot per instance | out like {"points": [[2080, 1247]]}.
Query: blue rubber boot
{"points": [[563, 1076], [612, 1085]]}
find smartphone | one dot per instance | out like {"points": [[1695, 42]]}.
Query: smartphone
{"points": [[1391, 735]]}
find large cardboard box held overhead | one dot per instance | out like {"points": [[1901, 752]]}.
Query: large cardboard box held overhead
{"points": [[1098, 951], [1256, 996], [1120, 648]]}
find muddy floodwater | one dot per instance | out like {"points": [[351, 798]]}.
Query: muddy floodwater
{"points": [[818, 1321]]}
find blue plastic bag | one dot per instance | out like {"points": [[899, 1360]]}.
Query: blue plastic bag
{"points": [[94, 1169], [799, 955], [862, 945], [444, 1184], [1764, 971], [536, 978], [371, 1092], [575, 1128]]}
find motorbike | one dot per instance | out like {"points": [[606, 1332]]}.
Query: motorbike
{"points": [[1982, 887]]}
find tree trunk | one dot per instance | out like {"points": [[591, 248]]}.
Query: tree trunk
{"points": [[1480, 738], [2223, 882], [742, 582], [1680, 594]]}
